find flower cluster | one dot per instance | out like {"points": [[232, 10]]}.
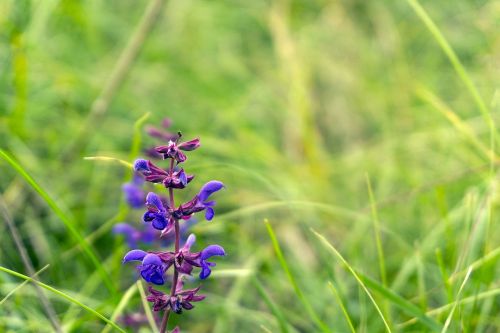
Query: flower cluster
{"points": [[163, 215]]}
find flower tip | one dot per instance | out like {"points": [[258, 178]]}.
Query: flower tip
{"points": [[212, 250], [209, 188], [190, 145], [134, 255], [190, 240], [141, 165]]}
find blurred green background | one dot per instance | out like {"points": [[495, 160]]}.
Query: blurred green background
{"points": [[300, 106]]}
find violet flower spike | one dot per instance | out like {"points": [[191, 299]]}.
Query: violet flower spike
{"points": [[152, 269], [163, 214]]}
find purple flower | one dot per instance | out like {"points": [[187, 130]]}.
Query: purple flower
{"points": [[152, 269], [146, 233], [176, 178], [133, 235], [181, 300], [184, 260], [157, 214], [134, 195], [208, 252], [141, 165], [173, 150], [200, 203]]}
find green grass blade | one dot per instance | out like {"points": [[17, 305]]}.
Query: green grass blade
{"points": [[487, 258], [235, 294], [457, 301], [461, 126], [403, 304], [119, 308], [378, 241], [457, 65], [356, 276], [444, 274], [272, 306], [21, 285], [292, 280], [265, 329], [487, 295], [64, 218], [342, 306], [109, 159], [452, 56], [137, 137], [146, 306], [63, 295]]}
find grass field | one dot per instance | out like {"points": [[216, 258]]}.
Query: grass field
{"points": [[358, 142]]}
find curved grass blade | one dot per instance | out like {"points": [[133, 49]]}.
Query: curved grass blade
{"points": [[109, 159], [293, 204], [400, 302], [452, 56], [147, 309], [272, 306], [137, 137], [459, 68], [65, 296], [119, 308], [356, 276], [64, 218], [494, 254], [342, 307], [265, 329], [21, 285], [463, 301], [309, 309], [378, 241], [452, 312]]}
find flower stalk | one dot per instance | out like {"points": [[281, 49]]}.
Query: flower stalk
{"points": [[165, 216]]}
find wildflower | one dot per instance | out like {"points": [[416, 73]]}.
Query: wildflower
{"points": [[156, 213], [176, 178], [134, 195], [208, 252], [184, 260], [133, 235], [152, 269], [180, 300], [200, 203], [164, 215], [142, 165], [173, 150], [146, 233]]}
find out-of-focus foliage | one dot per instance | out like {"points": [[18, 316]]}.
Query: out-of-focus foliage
{"points": [[297, 104]]}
